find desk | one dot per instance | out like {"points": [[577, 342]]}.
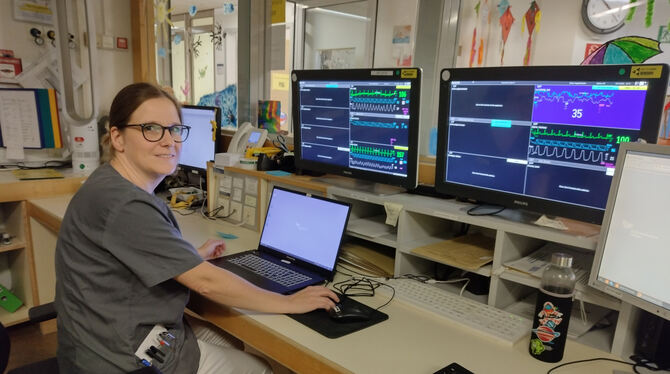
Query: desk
{"points": [[410, 341]]}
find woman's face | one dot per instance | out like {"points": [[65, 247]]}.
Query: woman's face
{"points": [[154, 160]]}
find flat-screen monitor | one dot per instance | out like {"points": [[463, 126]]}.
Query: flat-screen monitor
{"points": [[543, 138], [360, 123], [633, 253], [203, 138]]}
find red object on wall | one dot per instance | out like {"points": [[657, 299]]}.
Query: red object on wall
{"points": [[122, 43], [10, 67]]}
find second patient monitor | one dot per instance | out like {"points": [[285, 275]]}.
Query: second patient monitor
{"points": [[543, 138]]}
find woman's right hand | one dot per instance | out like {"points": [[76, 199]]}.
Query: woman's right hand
{"points": [[311, 298]]}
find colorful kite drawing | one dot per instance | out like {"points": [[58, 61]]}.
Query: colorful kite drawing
{"points": [[506, 21], [624, 50], [532, 19], [473, 47]]}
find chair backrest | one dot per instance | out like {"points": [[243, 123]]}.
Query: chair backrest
{"points": [[4, 348]]}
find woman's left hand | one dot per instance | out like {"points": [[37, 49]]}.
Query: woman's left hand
{"points": [[212, 248]]}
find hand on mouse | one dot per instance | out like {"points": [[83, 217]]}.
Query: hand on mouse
{"points": [[311, 298]]}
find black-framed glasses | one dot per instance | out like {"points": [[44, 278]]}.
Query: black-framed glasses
{"points": [[154, 132]]}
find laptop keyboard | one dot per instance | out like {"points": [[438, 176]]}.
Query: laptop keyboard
{"points": [[269, 270]]}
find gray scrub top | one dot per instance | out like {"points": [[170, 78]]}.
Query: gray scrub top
{"points": [[118, 250]]}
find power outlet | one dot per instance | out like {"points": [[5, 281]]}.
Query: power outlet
{"points": [[236, 210], [223, 202]]}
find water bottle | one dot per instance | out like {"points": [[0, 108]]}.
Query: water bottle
{"points": [[552, 311]]}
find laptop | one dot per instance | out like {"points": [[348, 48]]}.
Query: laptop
{"points": [[299, 245]]}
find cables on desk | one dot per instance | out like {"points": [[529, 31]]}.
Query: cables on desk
{"points": [[637, 362]]}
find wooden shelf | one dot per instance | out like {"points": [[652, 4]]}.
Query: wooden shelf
{"points": [[19, 316], [13, 246]]}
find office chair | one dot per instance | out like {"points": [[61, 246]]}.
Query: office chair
{"points": [[38, 314]]}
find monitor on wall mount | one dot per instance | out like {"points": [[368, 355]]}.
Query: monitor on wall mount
{"points": [[358, 123], [543, 138]]}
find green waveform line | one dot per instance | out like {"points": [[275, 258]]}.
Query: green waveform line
{"points": [[574, 134], [372, 151], [374, 93]]}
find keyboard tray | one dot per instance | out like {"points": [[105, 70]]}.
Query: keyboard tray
{"points": [[319, 320]]}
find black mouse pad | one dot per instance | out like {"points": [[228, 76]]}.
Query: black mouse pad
{"points": [[319, 320]]}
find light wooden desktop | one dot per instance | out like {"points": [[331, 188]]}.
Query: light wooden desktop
{"points": [[410, 341]]}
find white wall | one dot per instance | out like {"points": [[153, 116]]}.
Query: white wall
{"points": [[391, 13], [333, 31], [115, 67], [561, 38]]}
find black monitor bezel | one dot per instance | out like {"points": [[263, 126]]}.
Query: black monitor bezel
{"points": [[217, 138], [649, 129], [408, 182]]}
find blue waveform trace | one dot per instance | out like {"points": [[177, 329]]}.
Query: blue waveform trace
{"points": [[374, 100], [384, 125], [373, 157], [575, 145], [371, 165], [568, 154], [567, 97], [373, 107]]}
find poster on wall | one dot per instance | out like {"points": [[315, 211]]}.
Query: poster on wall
{"points": [[37, 11], [401, 49], [338, 58]]}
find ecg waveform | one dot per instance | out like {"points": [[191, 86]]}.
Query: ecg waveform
{"points": [[382, 93], [568, 153], [372, 151], [571, 134], [371, 164]]}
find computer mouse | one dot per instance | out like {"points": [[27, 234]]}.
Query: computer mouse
{"points": [[350, 313]]}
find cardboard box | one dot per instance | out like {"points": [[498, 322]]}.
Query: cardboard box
{"points": [[10, 67]]}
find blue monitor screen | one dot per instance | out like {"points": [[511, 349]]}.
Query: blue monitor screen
{"points": [[357, 124], [544, 141]]}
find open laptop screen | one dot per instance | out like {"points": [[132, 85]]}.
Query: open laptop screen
{"points": [[304, 227]]}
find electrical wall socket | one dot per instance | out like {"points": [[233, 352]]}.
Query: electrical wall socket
{"points": [[237, 215], [108, 41], [224, 203]]}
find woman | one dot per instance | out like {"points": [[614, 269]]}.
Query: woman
{"points": [[122, 266]]}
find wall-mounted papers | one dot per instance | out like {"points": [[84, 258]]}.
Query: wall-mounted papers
{"points": [[28, 119]]}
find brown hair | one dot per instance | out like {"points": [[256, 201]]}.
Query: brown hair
{"points": [[124, 105]]}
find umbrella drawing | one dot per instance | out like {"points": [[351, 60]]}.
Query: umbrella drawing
{"points": [[624, 50]]}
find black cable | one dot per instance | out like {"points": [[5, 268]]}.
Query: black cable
{"points": [[473, 211], [637, 362]]}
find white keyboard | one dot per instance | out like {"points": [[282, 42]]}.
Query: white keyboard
{"points": [[503, 326]]}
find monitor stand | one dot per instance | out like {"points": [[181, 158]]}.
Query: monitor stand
{"points": [[378, 189]]}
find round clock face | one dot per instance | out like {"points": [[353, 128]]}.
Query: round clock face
{"points": [[604, 16]]}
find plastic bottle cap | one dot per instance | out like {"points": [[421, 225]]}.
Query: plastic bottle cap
{"points": [[563, 260]]}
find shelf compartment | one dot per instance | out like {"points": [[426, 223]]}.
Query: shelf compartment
{"points": [[584, 293]]}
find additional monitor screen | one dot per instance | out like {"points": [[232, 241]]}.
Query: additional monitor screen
{"points": [[543, 138], [633, 253], [361, 123], [199, 147]]}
